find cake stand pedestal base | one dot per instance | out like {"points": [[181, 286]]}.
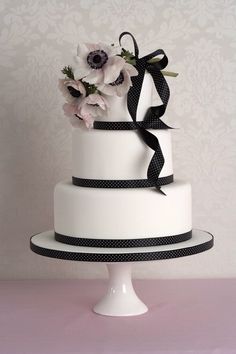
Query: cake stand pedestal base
{"points": [[120, 299]]}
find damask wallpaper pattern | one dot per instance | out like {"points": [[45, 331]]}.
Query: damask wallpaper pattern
{"points": [[39, 37]]}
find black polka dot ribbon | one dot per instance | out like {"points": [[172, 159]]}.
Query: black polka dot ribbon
{"points": [[121, 183], [123, 243], [124, 125], [154, 113]]}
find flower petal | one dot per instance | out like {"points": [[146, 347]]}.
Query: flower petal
{"points": [[82, 50], [124, 87], [130, 69], [62, 85], [122, 90], [97, 100], [88, 120], [112, 68], [108, 89], [95, 76], [108, 49], [81, 71], [91, 47], [69, 109]]}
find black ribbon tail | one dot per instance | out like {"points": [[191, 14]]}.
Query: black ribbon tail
{"points": [[160, 190], [153, 121], [142, 64]]}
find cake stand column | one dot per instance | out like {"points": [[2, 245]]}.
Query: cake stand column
{"points": [[120, 299]]}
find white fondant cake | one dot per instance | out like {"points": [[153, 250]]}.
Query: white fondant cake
{"points": [[102, 155], [122, 203]]}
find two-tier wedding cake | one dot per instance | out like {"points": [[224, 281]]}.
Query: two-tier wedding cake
{"points": [[123, 195]]}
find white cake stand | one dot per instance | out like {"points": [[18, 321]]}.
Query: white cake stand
{"points": [[120, 299]]}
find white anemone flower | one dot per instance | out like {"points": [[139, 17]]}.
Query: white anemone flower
{"points": [[97, 63], [85, 109], [90, 107], [121, 85]]}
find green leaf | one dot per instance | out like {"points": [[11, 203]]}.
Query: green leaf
{"points": [[68, 71], [90, 88], [128, 56]]}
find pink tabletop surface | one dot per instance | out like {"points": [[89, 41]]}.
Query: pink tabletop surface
{"points": [[54, 316]]}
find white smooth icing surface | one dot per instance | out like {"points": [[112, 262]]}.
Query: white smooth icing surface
{"points": [[109, 154], [118, 111], [122, 213]]}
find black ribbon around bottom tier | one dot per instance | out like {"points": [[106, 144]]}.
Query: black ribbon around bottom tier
{"points": [[121, 183], [98, 256], [123, 243]]}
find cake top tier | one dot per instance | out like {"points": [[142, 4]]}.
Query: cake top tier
{"points": [[106, 89]]}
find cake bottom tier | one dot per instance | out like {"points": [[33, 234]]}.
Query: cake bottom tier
{"points": [[92, 214]]}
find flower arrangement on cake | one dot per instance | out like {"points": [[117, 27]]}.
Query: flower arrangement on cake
{"points": [[100, 70]]}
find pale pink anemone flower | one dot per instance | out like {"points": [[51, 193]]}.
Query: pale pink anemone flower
{"points": [[97, 63], [92, 106], [120, 86], [86, 109], [78, 89]]}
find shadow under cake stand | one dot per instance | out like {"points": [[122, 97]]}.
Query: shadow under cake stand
{"points": [[120, 299]]}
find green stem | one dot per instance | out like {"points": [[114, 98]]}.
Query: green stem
{"points": [[165, 73], [169, 73]]}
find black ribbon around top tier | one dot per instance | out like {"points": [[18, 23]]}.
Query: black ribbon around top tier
{"points": [[123, 125], [123, 243], [121, 183], [155, 112]]}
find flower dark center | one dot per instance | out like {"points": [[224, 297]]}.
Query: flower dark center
{"points": [[97, 59], [118, 81], [73, 91]]}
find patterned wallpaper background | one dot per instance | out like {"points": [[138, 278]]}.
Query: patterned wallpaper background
{"points": [[39, 37]]}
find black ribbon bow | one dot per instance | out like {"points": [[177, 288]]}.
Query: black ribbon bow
{"points": [[153, 113]]}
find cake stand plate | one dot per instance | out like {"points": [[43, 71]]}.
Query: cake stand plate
{"points": [[120, 299]]}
